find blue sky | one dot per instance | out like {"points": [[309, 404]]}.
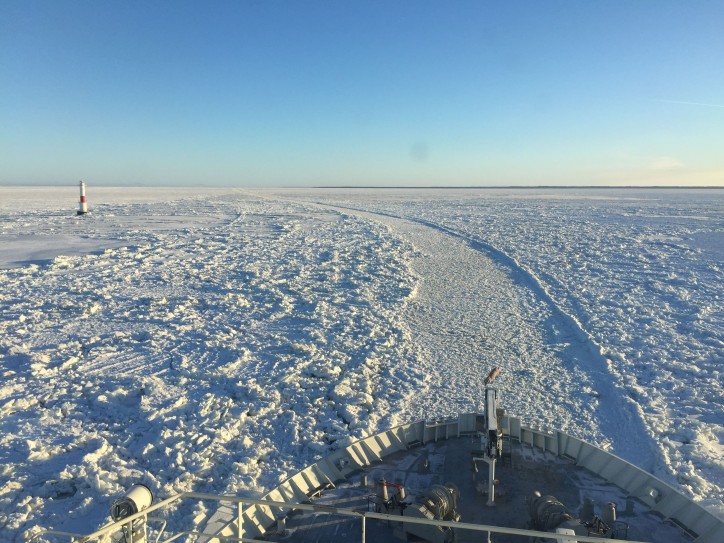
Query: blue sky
{"points": [[281, 93]]}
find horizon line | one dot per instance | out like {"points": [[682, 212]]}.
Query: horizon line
{"points": [[391, 187], [514, 187]]}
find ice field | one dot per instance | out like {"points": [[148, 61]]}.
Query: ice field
{"points": [[219, 340]]}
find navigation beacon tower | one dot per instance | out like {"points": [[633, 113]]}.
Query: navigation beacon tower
{"points": [[83, 208]]}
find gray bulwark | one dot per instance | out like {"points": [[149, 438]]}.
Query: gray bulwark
{"points": [[422, 453]]}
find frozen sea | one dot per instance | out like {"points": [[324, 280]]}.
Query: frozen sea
{"points": [[218, 340]]}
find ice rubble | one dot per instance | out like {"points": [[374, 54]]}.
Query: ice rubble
{"points": [[639, 273], [221, 341], [217, 357]]}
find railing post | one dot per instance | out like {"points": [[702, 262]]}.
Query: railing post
{"points": [[239, 513], [364, 518]]}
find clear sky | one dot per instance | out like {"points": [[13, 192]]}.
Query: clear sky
{"points": [[290, 93]]}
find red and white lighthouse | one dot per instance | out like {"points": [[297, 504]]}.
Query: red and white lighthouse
{"points": [[83, 209]]}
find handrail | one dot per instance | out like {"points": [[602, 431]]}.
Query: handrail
{"points": [[363, 515], [658, 496]]}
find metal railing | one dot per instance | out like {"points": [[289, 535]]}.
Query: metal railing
{"points": [[125, 526]]}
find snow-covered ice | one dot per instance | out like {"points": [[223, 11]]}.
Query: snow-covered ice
{"points": [[218, 340]]}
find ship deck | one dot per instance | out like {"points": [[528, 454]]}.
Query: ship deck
{"points": [[522, 470]]}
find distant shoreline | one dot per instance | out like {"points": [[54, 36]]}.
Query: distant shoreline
{"points": [[523, 187], [383, 187]]}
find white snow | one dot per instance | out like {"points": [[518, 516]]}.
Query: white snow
{"points": [[219, 340]]}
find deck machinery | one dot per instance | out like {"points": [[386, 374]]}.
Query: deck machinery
{"points": [[414, 483]]}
